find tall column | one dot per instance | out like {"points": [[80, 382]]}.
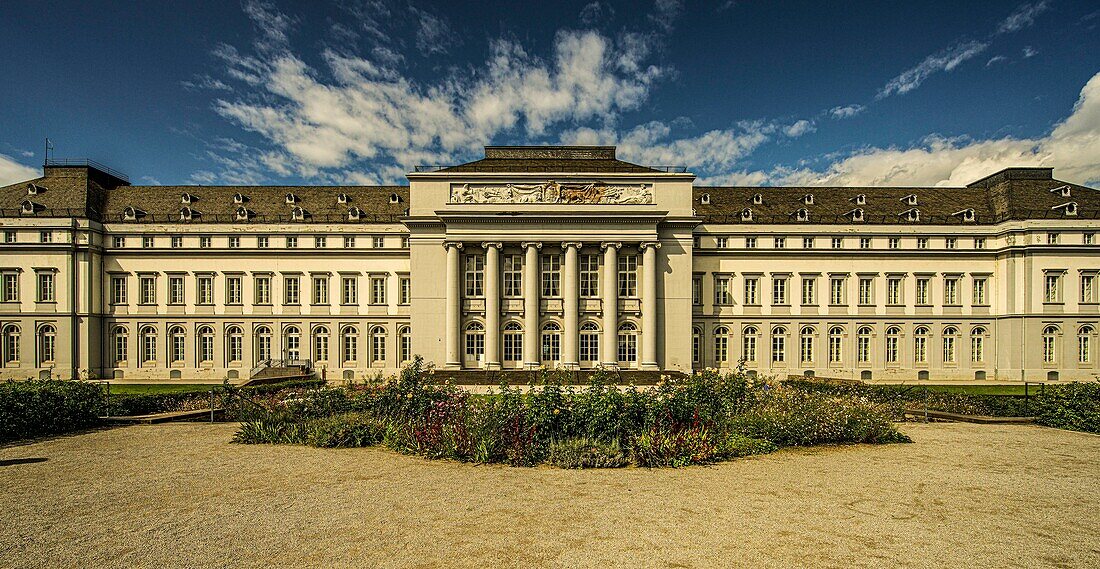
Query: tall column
{"points": [[650, 305], [609, 344], [492, 304], [454, 305], [531, 304], [570, 300]]}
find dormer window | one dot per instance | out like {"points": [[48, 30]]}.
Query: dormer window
{"points": [[239, 198], [187, 199], [808, 199], [243, 214], [1069, 208], [187, 214], [855, 215], [910, 215], [1063, 191], [704, 199], [131, 213], [34, 189], [802, 214], [910, 199], [291, 199], [298, 214], [757, 199], [746, 214], [966, 215], [29, 207], [860, 199], [394, 198], [354, 213], [341, 198]]}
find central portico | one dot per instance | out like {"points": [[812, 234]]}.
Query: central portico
{"points": [[557, 257]]}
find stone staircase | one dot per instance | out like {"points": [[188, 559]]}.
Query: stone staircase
{"points": [[277, 371]]}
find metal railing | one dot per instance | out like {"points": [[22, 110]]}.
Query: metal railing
{"points": [[200, 218], [62, 162], [306, 366], [622, 168]]}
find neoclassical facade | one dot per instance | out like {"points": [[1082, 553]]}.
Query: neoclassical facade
{"points": [[562, 257]]}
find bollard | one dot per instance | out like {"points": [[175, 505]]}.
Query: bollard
{"points": [[211, 405]]}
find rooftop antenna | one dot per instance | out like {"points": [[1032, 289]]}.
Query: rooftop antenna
{"points": [[49, 147]]}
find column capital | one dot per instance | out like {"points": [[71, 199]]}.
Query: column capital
{"points": [[455, 244], [647, 244], [487, 244], [566, 245], [528, 244], [616, 244]]}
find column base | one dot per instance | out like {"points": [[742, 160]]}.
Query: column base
{"points": [[493, 366], [452, 366], [610, 366], [649, 367]]}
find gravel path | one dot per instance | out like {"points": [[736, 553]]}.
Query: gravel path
{"points": [[180, 495]]}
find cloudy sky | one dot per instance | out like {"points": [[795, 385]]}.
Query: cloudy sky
{"points": [[741, 92]]}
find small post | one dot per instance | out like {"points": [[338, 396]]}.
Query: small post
{"points": [[108, 399], [211, 404], [1027, 401]]}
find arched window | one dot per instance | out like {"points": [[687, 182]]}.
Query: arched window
{"points": [[893, 345], [696, 344], [590, 343], [177, 340], [475, 342], [349, 345], [977, 344], [120, 344], [292, 343], [950, 334], [148, 345], [513, 342], [1050, 344], [721, 346], [806, 344], [404, 337], [863, 345], [234, 344], [206, 344], [836, 345], [378, 345], [10, 346], [628, 344], [920, 345], [749, 341], [779, 344], [47, 344], [263, 344], [551, 342], [320, 344], [1084, 344]]}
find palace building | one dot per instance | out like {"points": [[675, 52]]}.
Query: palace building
{"points": [[548, 256]]}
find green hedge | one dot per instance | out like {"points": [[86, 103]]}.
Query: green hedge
{"points": [[35, 408]]}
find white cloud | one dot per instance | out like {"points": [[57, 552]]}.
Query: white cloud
{"points": [[846, 111], [1029, 51], [1071, 148], [12, 171], [434, 35], [1023, 17], [995, 59], [945, 60], [799, 128], [651, 144], [596, 12]]}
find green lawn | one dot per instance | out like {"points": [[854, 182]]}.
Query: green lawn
{"points": [[985, 389], [150, 388]]}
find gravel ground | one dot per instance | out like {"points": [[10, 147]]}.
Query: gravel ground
{"points": [[180, 495]]}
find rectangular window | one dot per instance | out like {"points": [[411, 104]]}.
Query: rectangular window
{"points": [[1087, 238], [836, 291], [779, 291], [835, 347], [404, 241], [722, 294], [292, 290], [895, 243], [951, 243], [551, 276], [866, 291], [320, 289], [1088, 288], [722, 349], [806, 348], [979, 242], [46, 286], [979, 296], [951, 291], [349, 242], [205, 241], [696, 290], [406, 347], [1053, 288], [628, 276], [118, 289], [45, 237], [809, 291], [233, 290], [779, 348], [147, 242], [175, 290], [379, 242], [780, 242], [11, 287], [205, 289], [147, 289], [320, 242], [263, 289], [9, 237], [234, 242], [750, 243], [513, 276], [118, 241], [590, 275], [838, 242], [721, 242], [864, 242], [893, 291], [378, 290], [923, 292], [263, 242], [475, 275], [922, 242], [752, 291], [291, 242], [349, 290], [1052, 238], [807, 242], [177, 242], [406, 290], [177, 344]]}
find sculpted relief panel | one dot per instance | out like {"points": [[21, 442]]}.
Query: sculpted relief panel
{"points": [[553, 192]]}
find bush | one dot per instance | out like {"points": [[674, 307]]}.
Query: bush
{"points": [[46, 407], [792, 417], [1074, 406], [346, 430], [735, 445], [586, 453], [678, 447]]}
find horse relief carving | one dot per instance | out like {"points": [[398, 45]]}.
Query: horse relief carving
{"points": [[552, 192]]}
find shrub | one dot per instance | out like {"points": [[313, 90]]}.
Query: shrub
{"points": [[268, 431], [1074, 406], [792, 417], [586, 453], [674, 447], [735, 445], [45, 407], [346, 430]]}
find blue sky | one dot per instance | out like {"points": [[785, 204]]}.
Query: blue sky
{"points": [[740, 92]]}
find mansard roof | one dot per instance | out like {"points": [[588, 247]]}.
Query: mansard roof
{"points": [[572, 159]]}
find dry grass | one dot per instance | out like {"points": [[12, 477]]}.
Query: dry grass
{"points": [[180, 496]]}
